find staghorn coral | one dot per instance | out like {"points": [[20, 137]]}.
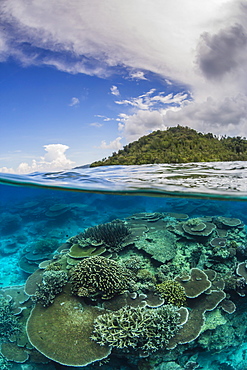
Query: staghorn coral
{"points": [[99, 276], [172, 292], [139, 328], [52, 284], [112, 235]]}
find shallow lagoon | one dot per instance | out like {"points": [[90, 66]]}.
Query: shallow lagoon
{"points": [[196, 238]]}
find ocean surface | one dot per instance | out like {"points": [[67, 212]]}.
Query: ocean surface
{"points": [[161, 242]]}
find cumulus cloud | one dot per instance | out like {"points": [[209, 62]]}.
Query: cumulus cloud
{"points": [[74, 102], [114, 144], [202, 45], [54, 160], [137, 75], [115, 91], [226, 116]]}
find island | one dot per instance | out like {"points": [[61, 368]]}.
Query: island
{"points": [[179, 144]]}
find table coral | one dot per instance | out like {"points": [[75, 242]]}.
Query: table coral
{"points": [[100, 276], [62, 331]]}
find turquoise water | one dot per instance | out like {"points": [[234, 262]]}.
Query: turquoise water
{"points": [[182, 220]]}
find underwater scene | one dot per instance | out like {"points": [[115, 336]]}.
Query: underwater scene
{"points": [[124, 267]]}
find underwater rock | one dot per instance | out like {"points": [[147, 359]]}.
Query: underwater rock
{"points": [[62, 331]]}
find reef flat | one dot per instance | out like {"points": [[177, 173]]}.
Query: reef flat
{"points": [[152, 290]]}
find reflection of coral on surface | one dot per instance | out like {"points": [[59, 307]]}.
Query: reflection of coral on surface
{"points": [[99, 276]]}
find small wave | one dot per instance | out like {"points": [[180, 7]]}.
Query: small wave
{"points": [[211, 179]]}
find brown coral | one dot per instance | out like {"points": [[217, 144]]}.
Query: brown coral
{"points": [[99, 276]]}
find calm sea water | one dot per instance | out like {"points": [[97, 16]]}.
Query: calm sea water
{"points": [[41, 211]]}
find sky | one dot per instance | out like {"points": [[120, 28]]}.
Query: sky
{"points": [[81, 79]]}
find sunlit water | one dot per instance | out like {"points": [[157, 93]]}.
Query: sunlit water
{"points": [[41, 211]]}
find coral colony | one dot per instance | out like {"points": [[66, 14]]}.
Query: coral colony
{"points": [[150, 288]]}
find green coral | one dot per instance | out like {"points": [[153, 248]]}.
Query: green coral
{"points": [[100, 276], [172, 292], [138, 328], [8, 322]]}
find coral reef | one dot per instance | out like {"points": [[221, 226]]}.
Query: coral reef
{"points": [[8, 323], [152, 289], [100, 276], [62, 331], [138, 328], [159, 244], [172, 292], [112, 235], [52, 284]]}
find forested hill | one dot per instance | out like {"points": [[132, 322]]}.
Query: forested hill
{"points": [[178, 145]]}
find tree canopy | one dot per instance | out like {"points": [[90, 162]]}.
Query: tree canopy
{"points": [[178, 145]]}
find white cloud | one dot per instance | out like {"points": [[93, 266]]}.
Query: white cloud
{"points": [[137, 75], [115, 91], [162, 39], [226, 116], [54, 160], [149, 101], [199, 44], [114, 145], [96, 124], [74, 102]]}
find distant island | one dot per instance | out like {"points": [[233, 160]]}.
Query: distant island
{"points": [[178, 145]]}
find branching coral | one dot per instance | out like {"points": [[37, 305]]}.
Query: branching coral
{"points": [[100, 276], [139, 328], [52, 284], [172, 292], [112, 235], [8, 322]]}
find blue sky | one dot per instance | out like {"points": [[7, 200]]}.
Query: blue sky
{"points": [[78, 80]]}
